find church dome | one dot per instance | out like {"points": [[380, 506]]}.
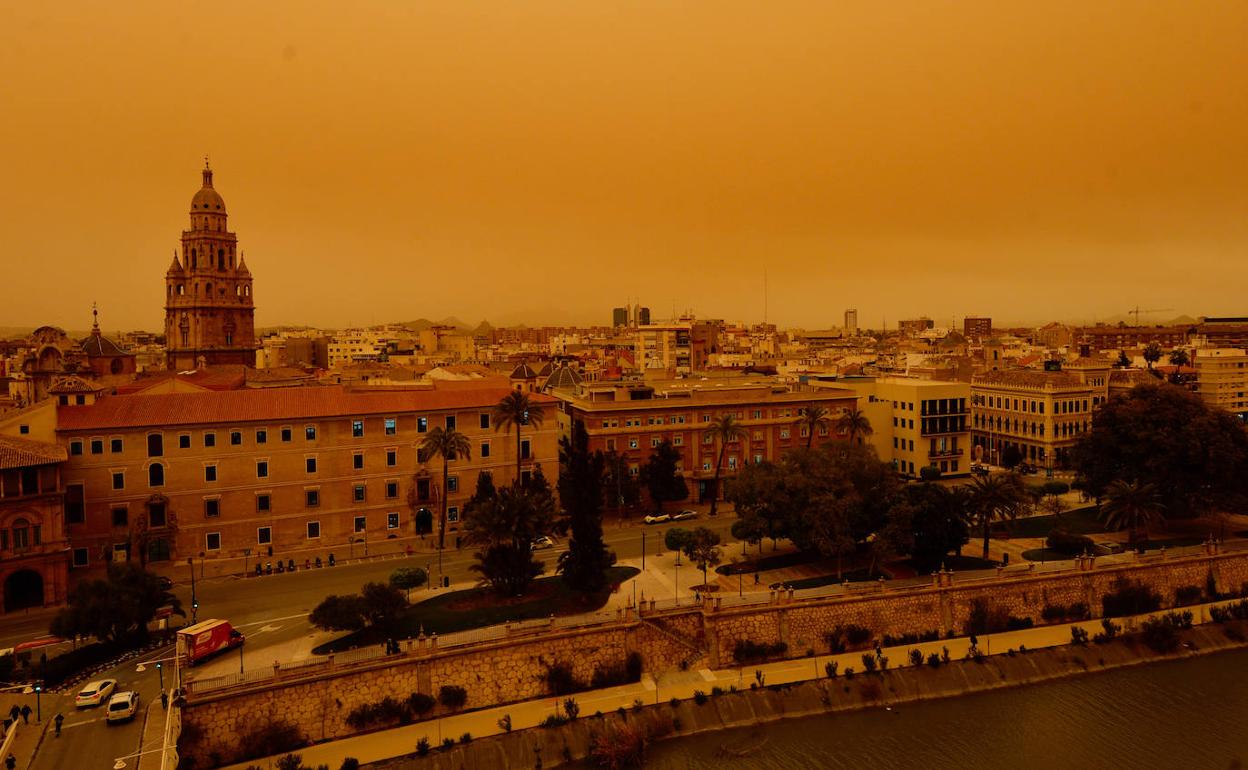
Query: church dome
{"points": [[207, 199]]}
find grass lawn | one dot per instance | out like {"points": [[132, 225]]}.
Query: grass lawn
{"points": [[1078, 521], [775, 561], [478, 607], [853, 576]]}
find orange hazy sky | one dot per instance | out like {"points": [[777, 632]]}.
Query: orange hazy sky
{"points": [[542, 161]]}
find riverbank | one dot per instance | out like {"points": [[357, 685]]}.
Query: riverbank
{"points": [[761, 705]]}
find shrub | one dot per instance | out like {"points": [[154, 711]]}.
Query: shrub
{"points": [[421, 704], [889, 640], [868, 662], [829, 668], [699, 697], [350, 763], [561, 681], [1078, 611], [849, 637], [571, 708], [422, 747], [448, 743], [1129, 597], [1078, 635], [620, 746], [675, 702], [883, 661], [985, 618], [1064, 542], [1053, 613], [916, 657], [748, 651], [1013, 623], [555, 720], [504, 723], [933, 660], [274, 737], [290, 762], [452, 696], [465, 738], [1162, 634], [944, 654], [717, 691], [849, 672], [612, 675], [1185, 595]]}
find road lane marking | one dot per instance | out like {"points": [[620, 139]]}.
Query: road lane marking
{"points": [[272, 620], [268, 629]]}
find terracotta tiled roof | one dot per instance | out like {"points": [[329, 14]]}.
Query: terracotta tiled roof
{"points": [[23, 453], [1033, 378], [270, 404]]}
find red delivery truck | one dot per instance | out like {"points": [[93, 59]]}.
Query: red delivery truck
{"points": [[206, 638]]}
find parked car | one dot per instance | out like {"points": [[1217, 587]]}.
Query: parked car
{"points": [[684, 515], [541, 543], [123, 706], [95, 693], [657, 518], [980, 470]]}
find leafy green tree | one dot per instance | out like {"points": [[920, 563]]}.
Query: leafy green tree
{"points": [[1179, 357], [811, 418], [485, 489], [754, 494], [999, 497], [1165, 436], [675, 540], [620, 487], [702, 549], [829, 529], [1132, 506], [515, 411], [854, 425], [407, 578], [1011, 456], [584, 565], [662, 478], [339, 613], [724, 430], [1152, 354], [1123, 362], [382, 604], [505, 528], [449, 445], [116, 608], [750, 530], [938, 516]]}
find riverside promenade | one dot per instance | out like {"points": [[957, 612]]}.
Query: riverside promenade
{"points": [[400, 741]]}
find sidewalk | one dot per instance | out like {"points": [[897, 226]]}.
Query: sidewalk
{"points": [[29, 735], [400, 741]]}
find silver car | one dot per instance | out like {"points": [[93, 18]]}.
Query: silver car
{"points": [[123, 706]]}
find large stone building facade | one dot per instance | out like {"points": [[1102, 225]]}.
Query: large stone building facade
{"points": [[34, 554], [209, 308], [277, 472]]}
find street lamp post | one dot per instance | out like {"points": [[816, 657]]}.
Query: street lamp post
{"points": [[38, 703], [677, 582], [240, 659], [246, 553], [643, 551], [160, 669], [190, 560]]}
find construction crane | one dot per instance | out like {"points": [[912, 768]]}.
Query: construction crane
{"points": [[1136, 312]]}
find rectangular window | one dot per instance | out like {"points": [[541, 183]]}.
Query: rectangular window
{"points": [[262, 436], [392, 489], [210, 473], [525, 453], [422, 424], [452, 514], [80, 557], [360, 524], [264, 503], [655, 441], [97, 446], [485, 449], [452, 484], [311, 497], [287, 434], [357, 493], [119, 480], [115, 446], [309, 464], [212, 541], [392, 426], [212, 507], [357, 461], [155, 445], [75, 447], [450, 422], [392, 457], [156, 515], [262, 469], [309, 433], [264, 535], [485, 420], [357, 429], [236, 438], [75, 503], [121, 517], [184, 441], [392, 520], [314, 530], [210, 439]]}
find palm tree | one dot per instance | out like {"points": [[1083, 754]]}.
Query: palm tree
{"points": [[1131, 506], [449, 445], [516, 410], [725, 429], [1179, 357], [854, 423], [812, 417], [996, 497]]}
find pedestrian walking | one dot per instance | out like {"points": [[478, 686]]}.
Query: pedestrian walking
{"points": [[11, 762], [26, 714], [58, 719], [15, 712]]}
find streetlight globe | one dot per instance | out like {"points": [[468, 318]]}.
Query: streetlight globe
{"points": [[139, 669], [119, 764]]}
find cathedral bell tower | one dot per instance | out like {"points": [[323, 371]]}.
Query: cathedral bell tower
{"points": [[209, 308]]}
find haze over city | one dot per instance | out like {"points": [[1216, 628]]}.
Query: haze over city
{"points": [[541, 163]]}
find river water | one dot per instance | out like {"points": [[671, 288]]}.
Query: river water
{"points": [[1181, 714]]}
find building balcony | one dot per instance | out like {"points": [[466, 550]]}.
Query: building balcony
{"points": [[938, 454], [933, 427]]}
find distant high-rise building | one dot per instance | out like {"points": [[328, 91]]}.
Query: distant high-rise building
{"points": [[209, 315], [643, 316], [977, 327], [851, 320], [619, 316], [914, 326]]}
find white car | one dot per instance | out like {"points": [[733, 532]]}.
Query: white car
{"points": [[683, 516], [541, 542], [95, 693], [657, 518], [123, 706]]}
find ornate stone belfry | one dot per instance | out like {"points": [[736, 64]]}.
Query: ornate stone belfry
{"points": [[209, 307]]}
